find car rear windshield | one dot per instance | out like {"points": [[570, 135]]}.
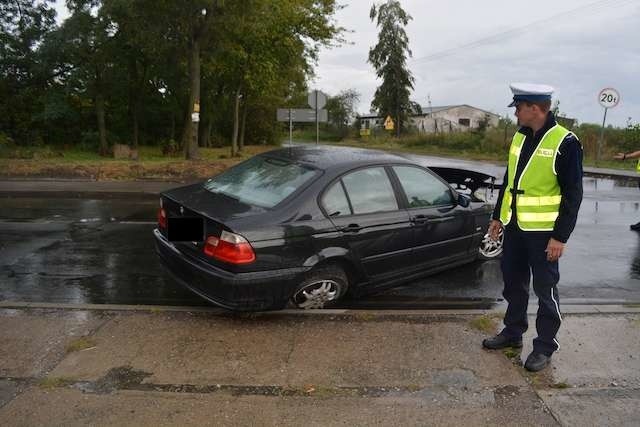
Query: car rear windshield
{"points": [[261, 181]]}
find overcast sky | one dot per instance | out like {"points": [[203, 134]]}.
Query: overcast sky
{"points": [[468, 51], [577, 46]]}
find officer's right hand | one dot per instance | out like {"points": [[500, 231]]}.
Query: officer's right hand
{"points": [[494, 229]]}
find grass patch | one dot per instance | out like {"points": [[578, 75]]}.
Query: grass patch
{"points": [[363, 316], [560, 385], [511, 353], [151, 165], [53, 382], [80, 344], [487, 322]]}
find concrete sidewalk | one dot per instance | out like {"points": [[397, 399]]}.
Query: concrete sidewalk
{"points": [[97, 367]]}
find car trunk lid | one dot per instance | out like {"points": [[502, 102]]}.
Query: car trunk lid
{"points": [[217, 210]]}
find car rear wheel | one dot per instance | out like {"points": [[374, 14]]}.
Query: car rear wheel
{"points": [[490, 249], [323, 286]]}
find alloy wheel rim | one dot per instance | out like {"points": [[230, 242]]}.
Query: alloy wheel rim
{"points": [[316, 294], [492, 248]]}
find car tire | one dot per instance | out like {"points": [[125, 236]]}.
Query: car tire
{"points": [[322, 287], [490, 249]]}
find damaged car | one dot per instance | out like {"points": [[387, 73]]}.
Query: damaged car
{"points": [[304, 226]]}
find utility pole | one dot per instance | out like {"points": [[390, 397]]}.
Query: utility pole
{"points": [[317, 123]]}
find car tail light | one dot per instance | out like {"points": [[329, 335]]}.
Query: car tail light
{"points": [[162, 218], [230, 248]]}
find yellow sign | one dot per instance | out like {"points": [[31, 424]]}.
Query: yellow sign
{"points": [[196, 107], [388, 123], [365, 132]]}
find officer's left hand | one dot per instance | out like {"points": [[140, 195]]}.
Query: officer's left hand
{"points": [[554, 250]]}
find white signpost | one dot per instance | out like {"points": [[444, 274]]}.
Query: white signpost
{"points": [[316, 100], [608, 98]]}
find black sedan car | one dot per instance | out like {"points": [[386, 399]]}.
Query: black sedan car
{"points": [[307, 225]]}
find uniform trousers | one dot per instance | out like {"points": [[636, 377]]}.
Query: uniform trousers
{"points": [[523, 255]]}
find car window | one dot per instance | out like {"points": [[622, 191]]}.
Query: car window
{"points": [[261, 181], [335, 201], [370, 191], [422, 188]]}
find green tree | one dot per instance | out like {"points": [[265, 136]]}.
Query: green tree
{"points": [[389, 57], [87, 48], [24, 25], [342, 109]]}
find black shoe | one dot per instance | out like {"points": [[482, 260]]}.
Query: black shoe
{"points": [[635, 227], [537, 362], [500, 341]]}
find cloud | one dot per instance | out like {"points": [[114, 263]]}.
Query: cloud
{"points": [[579, 53]]}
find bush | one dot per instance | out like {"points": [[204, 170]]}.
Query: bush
{"points": [[170, 148]]}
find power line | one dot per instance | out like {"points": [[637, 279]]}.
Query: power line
{"points": [[592, 8]]}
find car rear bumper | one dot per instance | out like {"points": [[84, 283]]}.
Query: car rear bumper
{"points": [[255, 291]]}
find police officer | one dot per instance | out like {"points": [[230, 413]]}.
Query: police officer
{"points": [[625, 156], [538, 207]]}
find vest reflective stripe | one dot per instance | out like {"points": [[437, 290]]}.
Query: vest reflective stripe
{"points": [[539, 204], [539, 201], [537, 217]]}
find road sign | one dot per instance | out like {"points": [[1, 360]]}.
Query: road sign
{"points": [[388, 123], [608, 97], [195, 117], [317, 99], [304, 115]]}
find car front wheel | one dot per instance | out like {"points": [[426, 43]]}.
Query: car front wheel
{"points": [[323, 286], [490, 249]]}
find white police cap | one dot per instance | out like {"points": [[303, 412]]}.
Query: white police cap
{"points": [[530, 92]]}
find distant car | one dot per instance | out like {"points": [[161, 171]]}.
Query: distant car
{"points": [[307, 225]]}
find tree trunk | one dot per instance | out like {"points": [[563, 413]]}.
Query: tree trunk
{"points": [[209, 129], [236, 125], [172, 135], [243, 124], [190, 136], [134, 121], [102, 128], [100, 114], [203, 137], [133, 101]]}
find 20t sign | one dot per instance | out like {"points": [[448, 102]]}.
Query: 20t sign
{"points": [[608, 97]]}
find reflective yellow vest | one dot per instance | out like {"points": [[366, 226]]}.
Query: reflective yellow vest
{"points": [[538, 193]]}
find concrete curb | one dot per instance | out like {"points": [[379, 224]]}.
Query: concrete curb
{"points": [[567, 309]]}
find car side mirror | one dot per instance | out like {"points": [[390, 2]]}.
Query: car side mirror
{"points": [[464, 200]]}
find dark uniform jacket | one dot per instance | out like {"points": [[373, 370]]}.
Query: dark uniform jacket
{"points": [[569, 169]]}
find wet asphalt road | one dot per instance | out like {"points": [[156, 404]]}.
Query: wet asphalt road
{"points": [[101, 251]]}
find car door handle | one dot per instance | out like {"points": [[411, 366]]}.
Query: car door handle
{"points": [[444, 219], [351, 228], [419, 219]]}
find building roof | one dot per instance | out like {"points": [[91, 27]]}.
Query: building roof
{"points": [[429, 110]]}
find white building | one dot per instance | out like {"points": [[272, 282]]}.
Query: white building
{"points": [[450, 118]]}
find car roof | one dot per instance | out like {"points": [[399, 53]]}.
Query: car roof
{"points": [[335, 158]]}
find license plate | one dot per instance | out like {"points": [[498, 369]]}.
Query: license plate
{"points": [[185, 229]]}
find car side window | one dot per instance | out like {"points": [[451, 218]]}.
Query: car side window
{"points": [[370, 191], [422, 188], [335, 201]]}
